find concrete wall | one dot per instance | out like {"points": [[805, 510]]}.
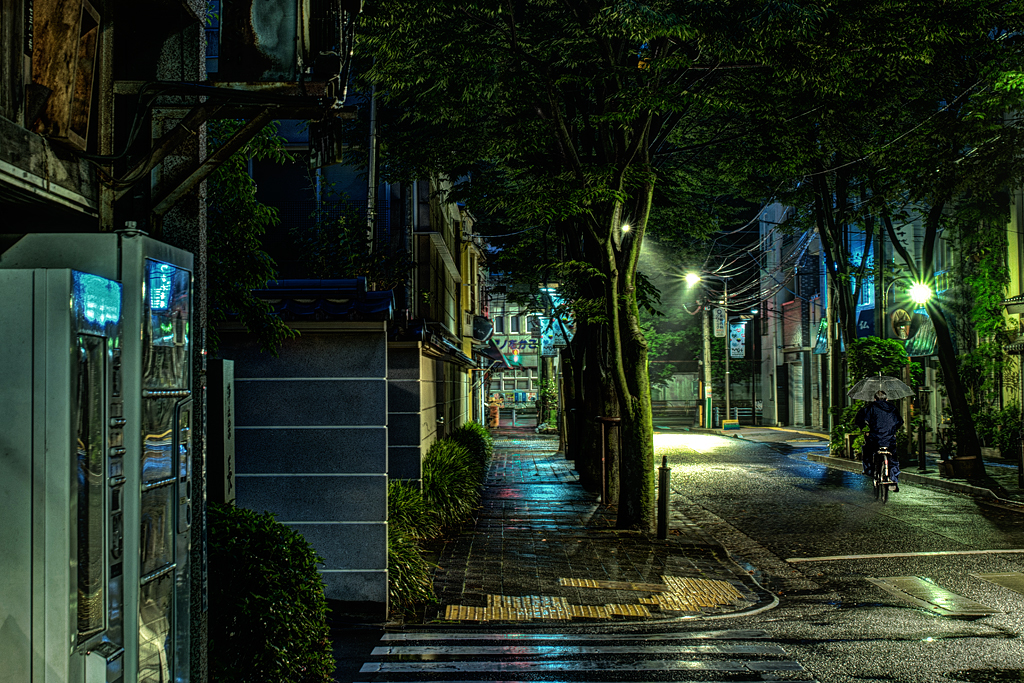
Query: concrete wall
{"points": [[311, 447], [412, 408]]}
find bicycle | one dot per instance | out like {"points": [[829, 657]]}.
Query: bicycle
{"points": [[880, 474]]}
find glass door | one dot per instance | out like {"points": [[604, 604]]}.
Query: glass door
{"points": [[166, 385]]}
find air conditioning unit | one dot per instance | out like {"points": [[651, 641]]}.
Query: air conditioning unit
{"points": [[283, 41]]}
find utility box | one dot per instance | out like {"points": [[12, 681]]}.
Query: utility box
{"points": [[283, 41], [62, 483]]}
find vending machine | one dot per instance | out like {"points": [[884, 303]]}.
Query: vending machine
{"points": [[96, 458]]}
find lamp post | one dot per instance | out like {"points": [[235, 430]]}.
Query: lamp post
{"points": [[920, 293], [694, 278]]}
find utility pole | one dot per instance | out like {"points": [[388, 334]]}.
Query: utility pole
{"points": [[707, 367], [728, 351]]}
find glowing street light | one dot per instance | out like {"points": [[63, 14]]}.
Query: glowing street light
{"points": [[920, 293]]}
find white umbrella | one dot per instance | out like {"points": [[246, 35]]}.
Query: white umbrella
{"points": [[894, 388]]}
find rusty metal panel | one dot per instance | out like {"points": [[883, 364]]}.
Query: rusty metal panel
{"points": [[64, 48]]}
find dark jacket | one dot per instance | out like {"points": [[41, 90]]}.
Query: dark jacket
{"points": [[883, 420]]}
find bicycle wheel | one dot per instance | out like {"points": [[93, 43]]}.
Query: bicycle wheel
{"points": [[883, 479]]}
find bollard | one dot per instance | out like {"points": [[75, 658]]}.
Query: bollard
{"points": [[663, 479]]}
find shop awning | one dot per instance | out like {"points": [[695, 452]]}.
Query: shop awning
{"points": [[491, 351], [922, 339], [821, 344]]}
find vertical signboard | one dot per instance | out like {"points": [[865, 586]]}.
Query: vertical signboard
{"points": [[719, 322], [738, 339]]}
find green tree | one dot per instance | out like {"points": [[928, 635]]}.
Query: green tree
{"points": [[554, 112]]}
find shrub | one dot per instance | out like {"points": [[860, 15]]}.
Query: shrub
{"points": [[451, 487], [268, 613], [410, 576], [408, 512], [477, 440]]}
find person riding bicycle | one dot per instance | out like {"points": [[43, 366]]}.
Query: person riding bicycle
{"points": [[882, 419]]}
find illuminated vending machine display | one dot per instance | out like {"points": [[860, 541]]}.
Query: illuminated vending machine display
{"points": [[149, 435], [62, 482], [165, 511]]}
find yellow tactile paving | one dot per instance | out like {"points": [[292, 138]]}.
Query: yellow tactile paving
{"points": [[677, 594], [615, 585]]}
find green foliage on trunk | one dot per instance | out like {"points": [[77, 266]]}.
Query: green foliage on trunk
{"points": [[235, 223]]}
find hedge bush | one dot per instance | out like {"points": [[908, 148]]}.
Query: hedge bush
{"points": [[451, 485], [268, 613], [477, 440], [452, 473]]}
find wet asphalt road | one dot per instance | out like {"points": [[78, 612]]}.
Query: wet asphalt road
{"points": [[780, 515], [776, 510]]}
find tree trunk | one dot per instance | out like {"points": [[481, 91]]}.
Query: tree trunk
{"points": [[967, 444]]}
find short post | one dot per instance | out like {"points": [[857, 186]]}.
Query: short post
{"points": [[604, 475], [922, 428], [513, 416], [663, 480]]}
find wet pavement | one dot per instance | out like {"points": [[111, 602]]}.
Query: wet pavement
{"points": [[542, 550], [1001, 486]]}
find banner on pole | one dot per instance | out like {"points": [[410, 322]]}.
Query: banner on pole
{"points": [[719, 322], [738, 339]]}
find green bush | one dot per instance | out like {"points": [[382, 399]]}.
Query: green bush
{"points": [[408, 512], [452, 473], [451, 485], [268, 613], [477, 440], [410, 576], [999, 428]]}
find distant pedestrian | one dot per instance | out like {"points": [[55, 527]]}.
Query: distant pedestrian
{"points": [[883, 420]]}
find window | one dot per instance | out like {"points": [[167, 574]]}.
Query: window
{"points": [[499, 324], [523, 384], [510, 385], [513, 325], [212, 35]]}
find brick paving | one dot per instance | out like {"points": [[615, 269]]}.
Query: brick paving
{"points": [[539, 539]]}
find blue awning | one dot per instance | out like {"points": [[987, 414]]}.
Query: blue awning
{"points": [[922, 337]]}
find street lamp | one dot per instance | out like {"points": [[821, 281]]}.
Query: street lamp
{"points": [[692, 279], [919, 293]]}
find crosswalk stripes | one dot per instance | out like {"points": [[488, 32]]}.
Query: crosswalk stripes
{"points": [[736, 656]]}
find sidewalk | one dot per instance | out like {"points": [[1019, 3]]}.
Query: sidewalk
{"points": [[1000, 487], [543, 551]]}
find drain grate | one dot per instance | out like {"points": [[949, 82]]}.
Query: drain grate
{"points": [[925, 593], [1012, 580]]}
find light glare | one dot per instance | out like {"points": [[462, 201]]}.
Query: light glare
{"points": [[920, 293], [692, 278]]}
